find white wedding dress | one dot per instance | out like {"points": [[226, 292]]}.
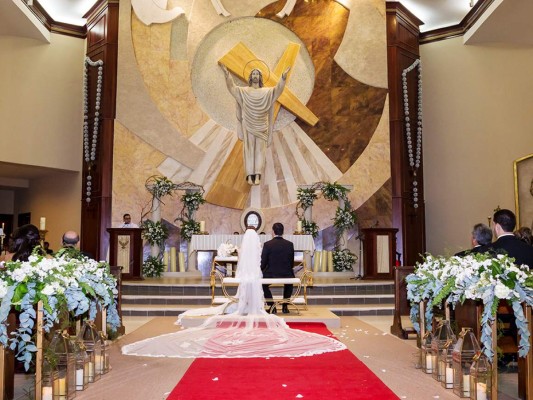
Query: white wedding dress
{"points": [[249, 331]]}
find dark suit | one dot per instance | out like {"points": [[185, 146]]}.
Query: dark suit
{"points": [[514, 247], [277, 259], [482, 248]]}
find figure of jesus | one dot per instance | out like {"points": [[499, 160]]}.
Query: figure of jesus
{"points": [[255, 116]]}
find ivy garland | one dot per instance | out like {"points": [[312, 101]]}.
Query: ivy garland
{"points": [[345, 218]]}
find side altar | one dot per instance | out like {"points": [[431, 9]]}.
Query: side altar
{"points": [[210, 243]]}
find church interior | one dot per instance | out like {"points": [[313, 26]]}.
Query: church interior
{"points": [[415, 114]]}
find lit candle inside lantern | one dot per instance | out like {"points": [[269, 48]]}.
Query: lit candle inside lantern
{"points": [[47, 393], [99, 363], [299, 226], [202, 226], [481, 391], [61, 388], [466, 385], [91, 371], [449, 378], [429, 364], [42, 224], [79, 379]]}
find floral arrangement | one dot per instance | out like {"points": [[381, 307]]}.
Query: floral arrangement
{"points": [[154, 232], [485, 277], [226, 249], [334, 191], [306, 197], [345, 218], [343, 260], [153, 267], [62, 283], [192, 201], [189, 228], [160, 186], [310, 228]]}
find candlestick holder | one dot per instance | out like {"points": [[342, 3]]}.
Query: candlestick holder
{"points": [[42, 236]]}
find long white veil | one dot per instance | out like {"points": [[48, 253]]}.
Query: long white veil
{"points": [[247, 332]]}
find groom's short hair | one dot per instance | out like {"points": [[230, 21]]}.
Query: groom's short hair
{"points": [[278, 228]]}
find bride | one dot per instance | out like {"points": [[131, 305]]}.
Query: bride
{"points": [[247, 331]]}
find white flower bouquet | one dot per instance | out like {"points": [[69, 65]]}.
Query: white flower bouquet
{"points": [[226, 250], [77, 285]]}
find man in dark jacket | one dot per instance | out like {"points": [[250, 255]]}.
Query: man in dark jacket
{"points": [[504, 222], [277, 260], [481, 240]]}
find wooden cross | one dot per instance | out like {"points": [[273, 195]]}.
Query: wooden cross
{"points": [[236, 59]]}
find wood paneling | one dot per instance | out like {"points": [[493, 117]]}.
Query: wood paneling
{"points": [[402, 51]]}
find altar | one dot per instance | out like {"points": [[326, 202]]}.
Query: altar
{"points": [[210, 243]]}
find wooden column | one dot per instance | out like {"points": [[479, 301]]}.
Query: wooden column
{"points": [[102, 44], [525, 365], [402, 51]]}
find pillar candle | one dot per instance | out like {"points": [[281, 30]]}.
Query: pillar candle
{"points": [[61, 388], [165, 258], [481, 391], [449, 378], [466, 385], [330, 261], [91, 371], [79, 379], [47, 393], [182, 261], [316, 260], [42, 224], [202, 226], [99, 364], [299, 226], [429, 364], [324, 261], [172, 259]]}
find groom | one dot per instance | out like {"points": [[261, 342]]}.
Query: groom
{"points": [[277, 259]]}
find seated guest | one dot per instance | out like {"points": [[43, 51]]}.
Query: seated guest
{"points": [[277, 259], [25, 239], [524, 234], [70, 241], [126, 218], [481, 239], [504, 222]]}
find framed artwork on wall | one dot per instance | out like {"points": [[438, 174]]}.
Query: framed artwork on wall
{"points": [[523, 191]]}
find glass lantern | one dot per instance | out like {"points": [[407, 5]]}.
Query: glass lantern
{"points": [[102, 364], [91, 339], [49, 381], [443, 335], [463, 354], [82, 364], [445, 365], [65, 385], [480, 378], [426, 358]]}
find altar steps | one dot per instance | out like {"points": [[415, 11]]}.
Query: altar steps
{"points": [[164, 298]]}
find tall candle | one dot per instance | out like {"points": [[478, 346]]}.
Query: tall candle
{"points": [[481, 391], [91, 371], [466, 385], [299, 226], [181, 259], [79, 379], [47, 393], [330, 261], [99, 363], [42, 224], [165, 258], [429, 364], [173, 259], [449, 378], [202, 226], [61, 388]]}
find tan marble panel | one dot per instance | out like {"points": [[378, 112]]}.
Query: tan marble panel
{"points": [[129, 192]]}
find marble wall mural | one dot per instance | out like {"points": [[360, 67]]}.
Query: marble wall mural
{"points": [[176, 118]]}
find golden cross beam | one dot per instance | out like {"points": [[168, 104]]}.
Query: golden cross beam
{"points": [[236, 59]]}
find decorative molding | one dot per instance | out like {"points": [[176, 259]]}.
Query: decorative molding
{"points": [[54, 26], [459, 29]]}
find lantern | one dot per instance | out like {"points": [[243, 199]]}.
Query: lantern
{"points": [[426, 358], [443, 335], [50, 380], [91, 339], [480, 378], [65, 388], [102, 364], [464, 351], [82, 364], [445, 365]]}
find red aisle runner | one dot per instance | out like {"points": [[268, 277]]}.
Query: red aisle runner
{"points": [[333, 376]]}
